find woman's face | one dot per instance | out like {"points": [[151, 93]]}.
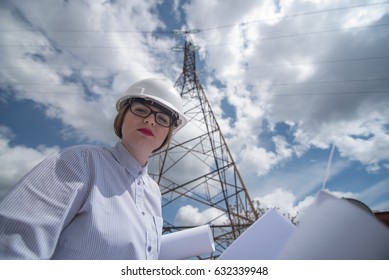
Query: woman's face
{"points": [[143, 134]]}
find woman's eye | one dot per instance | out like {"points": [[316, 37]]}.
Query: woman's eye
{"points": [[141, 110], [163, 119]]}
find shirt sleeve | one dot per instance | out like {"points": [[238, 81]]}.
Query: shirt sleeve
{"points": [[34, 213]]}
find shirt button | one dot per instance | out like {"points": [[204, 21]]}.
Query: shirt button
{"points": [[149, 249]]}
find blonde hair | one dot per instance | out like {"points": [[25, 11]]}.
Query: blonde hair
{"points": [[118, 123]]}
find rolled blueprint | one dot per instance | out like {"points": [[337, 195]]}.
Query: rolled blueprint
{"points": [[187, 243]]}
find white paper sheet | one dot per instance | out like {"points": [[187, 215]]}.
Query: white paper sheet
{"points": [[263, 240], [187, 243], [335, 229]]}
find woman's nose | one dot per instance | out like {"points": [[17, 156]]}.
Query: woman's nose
{"points": [[150, 119]]}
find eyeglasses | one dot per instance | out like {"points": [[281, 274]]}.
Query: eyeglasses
{"points": [[142, 110]]}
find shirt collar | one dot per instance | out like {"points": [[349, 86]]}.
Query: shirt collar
{"points": [[127, 160]]}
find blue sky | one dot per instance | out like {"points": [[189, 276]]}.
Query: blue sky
{"points": [[287, 81]]}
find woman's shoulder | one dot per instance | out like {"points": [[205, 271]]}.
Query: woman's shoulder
{"points": [[84, 149], [82, 152]]}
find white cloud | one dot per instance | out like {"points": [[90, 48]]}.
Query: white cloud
{"points": [[362, 16], [16, 161], [258, 160], [284, 202], [192, 216]]}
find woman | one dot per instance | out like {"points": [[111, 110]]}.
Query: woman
{"points": [[89, 202]]}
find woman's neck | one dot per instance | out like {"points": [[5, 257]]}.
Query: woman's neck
{"points": [[139, 154]]}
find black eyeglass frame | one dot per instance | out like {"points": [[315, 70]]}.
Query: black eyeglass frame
{"points": [[172, 117]]}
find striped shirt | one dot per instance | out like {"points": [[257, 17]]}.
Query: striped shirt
{"points": [[84, 202]]}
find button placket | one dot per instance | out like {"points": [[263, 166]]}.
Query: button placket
{"points": [[146, 221], [139, 197]]}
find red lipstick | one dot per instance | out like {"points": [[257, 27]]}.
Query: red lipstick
{"points": [[146, 131]]}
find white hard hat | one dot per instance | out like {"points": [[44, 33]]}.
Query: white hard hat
{"points": [[160, 91]]}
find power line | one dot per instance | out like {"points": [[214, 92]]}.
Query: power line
{"points": [[311, 93], [322, 82], [323, 31], [248, 68], [217, 45], [64, 93], [88, 31], [294, 15], [174, 32], [253, 85], [319, 62], [301, 34], [67, 92], [333, 93], [83, 47]]}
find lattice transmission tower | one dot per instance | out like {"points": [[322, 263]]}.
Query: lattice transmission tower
{"points": [[197, 171]]}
